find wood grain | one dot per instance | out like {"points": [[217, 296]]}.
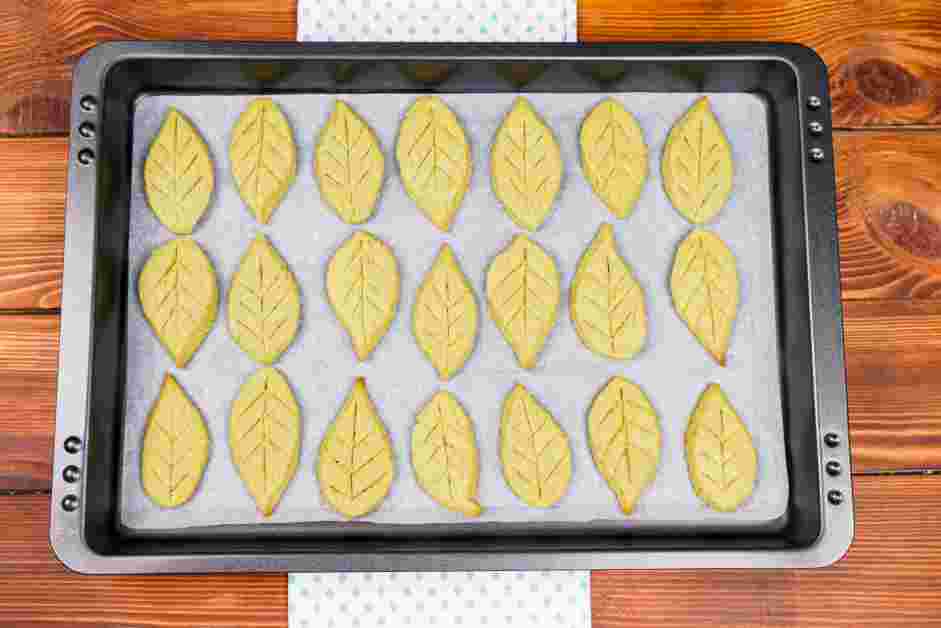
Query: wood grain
{"points": [[889, 208], [887, 578], [32, 228], [28, 358], [894, 400], [884, 57]]}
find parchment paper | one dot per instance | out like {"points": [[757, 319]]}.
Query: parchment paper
{"points": [[673, 368]]}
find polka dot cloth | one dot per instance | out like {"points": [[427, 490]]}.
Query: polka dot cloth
{"points": [[531, 599], [437, 20]]}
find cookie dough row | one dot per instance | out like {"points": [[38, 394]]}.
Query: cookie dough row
{"points": [[435, 163], [356, 461]]}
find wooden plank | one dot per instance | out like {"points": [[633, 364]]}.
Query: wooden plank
{"points": [[887, 579], [32, 227], [28, 358], [884, 58], [889, 207], [887, 575], [894, 400], [888, 201]]}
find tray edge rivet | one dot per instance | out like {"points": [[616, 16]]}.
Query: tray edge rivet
{"points": [[835, 497], [70, 503], [73, 444], [88, 103], [816, 153], [86, 156], [86, 130], [834, 468], [831, 439], [71, 474], [815, 127], [814, 102]]}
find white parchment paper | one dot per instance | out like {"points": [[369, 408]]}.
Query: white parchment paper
{"points": [[673, 368]]}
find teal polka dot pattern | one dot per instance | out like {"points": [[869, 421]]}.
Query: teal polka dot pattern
{"points": [[537, 599], [437, 20]]}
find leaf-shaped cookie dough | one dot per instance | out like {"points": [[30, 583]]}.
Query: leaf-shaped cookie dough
{"points": [[356, 464], [175, 449], [534, 450], [704, 285], [523, 291], [614, 156], [265, 436], [264, 303], [722, 461], [434, 159], [525, 166], [444, 454], [606, 302], [363, 289], [263, 157], [444, 318], [349, 165], [179, 295], [697, 164], [624, 436], [178, 174]]}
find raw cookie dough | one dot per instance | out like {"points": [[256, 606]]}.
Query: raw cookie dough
{"points": [[525, 166], [264, 303], [363, 290], [178, 174], [722, 461], [704, 285], [624, 438], [606, 302], [697, 164], [175, 448], [534, 450], [614, 156], [523, 292], [356, 464], [263, 157], [434, 159], [264, 436], [444, 454], [348, 165], [444, 318], [178, 293]]}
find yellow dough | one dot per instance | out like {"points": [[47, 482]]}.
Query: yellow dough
{"points": [[178, 174], [178, 293], [263, 157], [444, 454], [444, 319], [523, 292], [722, 460], [525, 166], [175, 449], [264, 303], [349, 165], [614, 156], [363, 290], [624, 437], [534, 450], [697, 164], [606, 302], [265, 436], [356, 464], [434, 159], [704, 285]]}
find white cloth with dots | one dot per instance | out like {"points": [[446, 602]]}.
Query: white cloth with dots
{"points": [[437, 20], [543, 599], [498, 599]]}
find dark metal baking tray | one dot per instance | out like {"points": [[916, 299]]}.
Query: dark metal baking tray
{"points": [[85, 531]]}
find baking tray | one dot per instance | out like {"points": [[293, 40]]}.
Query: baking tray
{"points": [[814, 526]]}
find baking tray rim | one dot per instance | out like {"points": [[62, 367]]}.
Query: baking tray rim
{"points": [[837, 525]]}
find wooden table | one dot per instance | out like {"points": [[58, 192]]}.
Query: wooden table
{"points": [[885, 80]]}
